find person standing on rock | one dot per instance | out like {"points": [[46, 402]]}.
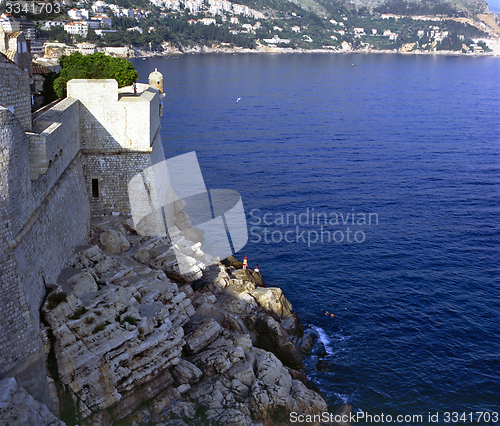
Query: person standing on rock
{"points": [[245, 263]]}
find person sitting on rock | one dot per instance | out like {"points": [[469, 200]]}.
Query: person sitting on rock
{"points": [[245, 263], [257, 269]]}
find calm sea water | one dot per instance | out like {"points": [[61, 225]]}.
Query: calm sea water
{"points": [[413, 140]]}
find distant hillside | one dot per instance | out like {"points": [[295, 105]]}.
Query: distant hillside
{"points": [[173, 26], [368, 7], [425, 7]]}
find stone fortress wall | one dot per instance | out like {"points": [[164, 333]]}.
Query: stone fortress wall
{"points": [[15, 91], [73, 161], [18, 333]]}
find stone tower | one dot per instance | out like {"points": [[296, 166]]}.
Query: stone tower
{"points": [[156, 80], [120, 135]]}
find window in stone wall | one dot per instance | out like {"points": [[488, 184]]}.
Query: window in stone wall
{"points": [[95, 188]]}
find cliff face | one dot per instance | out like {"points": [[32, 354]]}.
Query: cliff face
{"points": [[130, 341]]}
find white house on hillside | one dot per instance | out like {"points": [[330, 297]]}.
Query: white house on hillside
{"points": [[77, 28]]}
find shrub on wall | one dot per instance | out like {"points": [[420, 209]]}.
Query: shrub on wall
{"points": [[96, 66]]}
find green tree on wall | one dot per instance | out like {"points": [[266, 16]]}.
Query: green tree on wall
{"points": [[94, 66]]}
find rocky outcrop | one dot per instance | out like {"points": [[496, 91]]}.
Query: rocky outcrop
{"points": [[18, 408], [119, 336], [272, 336], [134, 343], [175, 255], [114, 242]]}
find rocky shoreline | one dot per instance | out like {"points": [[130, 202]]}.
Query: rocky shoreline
{"points": [[130, 341], [169, 50]]}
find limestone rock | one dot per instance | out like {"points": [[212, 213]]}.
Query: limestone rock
{"points": [[93, 253], [139, 394], [219, 357], [104, 266], [186, 289], [306, 400], [239, 304], [216, 279], [253, 389], [114, 242], [185, 372], [204, 334], [18, 408], [241, 373], [61, 313], [114, 352], [292, 325], [183, 388], [82, 284], [275, 391], [243, 341], [299, 375], [230, 321], [185, 410], [200, 298], [120, 349], [163, 402], [304, 344], [273, 300], [180, 258], [249, 275], [273, 337]]}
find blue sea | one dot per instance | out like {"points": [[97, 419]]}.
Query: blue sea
{"points": [[371, 185]]}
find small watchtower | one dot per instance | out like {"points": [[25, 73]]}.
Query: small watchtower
{"points": [[156, 80]]}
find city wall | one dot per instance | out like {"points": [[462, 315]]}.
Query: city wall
{"points": [[15, 91], [19, 340], [73, 162]]}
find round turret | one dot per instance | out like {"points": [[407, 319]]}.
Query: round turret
{"points": [[156, 80]]}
